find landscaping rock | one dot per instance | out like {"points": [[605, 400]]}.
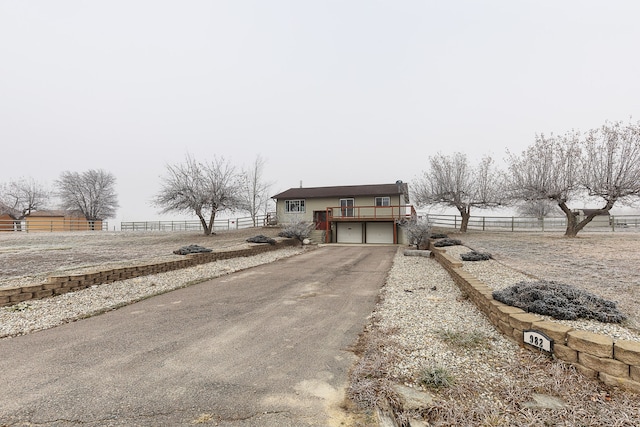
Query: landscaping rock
{"points": [[415, 252], [476, 256], [412, 399], [544, 401], [191, 249], [261, 239], [447, 242]]}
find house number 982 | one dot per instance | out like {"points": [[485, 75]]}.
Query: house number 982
{"points": [[538, 340]]}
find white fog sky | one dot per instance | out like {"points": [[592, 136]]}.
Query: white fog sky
{"points": [[328, 92]]}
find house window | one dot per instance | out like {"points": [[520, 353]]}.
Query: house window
{"points": [[383, 201], [294, 206], [346, 206]]}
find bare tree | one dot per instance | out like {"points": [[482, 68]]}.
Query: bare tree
{"points": [[256, 190], [25, 195], [611, 166], [548, 170], [605, 165], [537, 208], [203, 188], [452, 181], [91, 192]]}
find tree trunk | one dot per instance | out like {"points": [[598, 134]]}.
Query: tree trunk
{"points": [[203, 222], [465, 213], [577, 226], [212, 219], [573, 226], [572, 221]]}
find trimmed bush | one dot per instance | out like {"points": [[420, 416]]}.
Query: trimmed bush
{"points": [[476, 256], [447, 242], [559, 301], [191, 249], [439, 236]]}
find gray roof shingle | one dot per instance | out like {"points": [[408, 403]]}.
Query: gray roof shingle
{"points": [[344, 191]]}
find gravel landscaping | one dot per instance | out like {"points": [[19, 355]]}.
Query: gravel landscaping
{"points": [[424, 329]]}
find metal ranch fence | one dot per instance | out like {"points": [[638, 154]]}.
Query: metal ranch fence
{"points": [[191, 225], [515, 224], [51, 225]]}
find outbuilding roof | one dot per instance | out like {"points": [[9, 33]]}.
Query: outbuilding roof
{"points": [[399, 188], [57, 213], [7, 210]]}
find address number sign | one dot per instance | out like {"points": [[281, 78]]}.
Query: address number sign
{"points": [[539, 340]]}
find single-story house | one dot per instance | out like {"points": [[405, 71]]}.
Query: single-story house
{"points": [[9, 218], [60, 220], [350, 213]]}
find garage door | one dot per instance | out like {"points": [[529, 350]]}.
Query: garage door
{"points": [[379, 232], [349, 232]]}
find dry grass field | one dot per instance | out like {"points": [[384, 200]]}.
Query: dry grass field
{"points": [[605, 264], [36, 255]]}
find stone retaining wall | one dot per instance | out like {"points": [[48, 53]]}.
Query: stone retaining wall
{"points": [[616, 363], [60, 284]]}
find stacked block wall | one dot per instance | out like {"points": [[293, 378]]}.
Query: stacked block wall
{"points": [[616, 363], [60, 284]]}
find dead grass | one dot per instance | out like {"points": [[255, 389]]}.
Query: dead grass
{"points": [[40, 254]]}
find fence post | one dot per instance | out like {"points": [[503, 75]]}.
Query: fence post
{"points": [[512, 223], [483, 223], [613, 223]]}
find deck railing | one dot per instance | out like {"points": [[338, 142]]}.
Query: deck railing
{"points": [[357, 213]]}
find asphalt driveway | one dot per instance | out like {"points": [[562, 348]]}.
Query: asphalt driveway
{"points": [[268, 346]]}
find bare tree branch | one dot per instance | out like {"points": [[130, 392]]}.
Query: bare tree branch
{"points": [[604, 165], [255, 190], [203, 188], [25, 195], [452, 181], [91, 192]]}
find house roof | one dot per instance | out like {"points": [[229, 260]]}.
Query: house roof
{"points": [[345, 191], [56, 213]]}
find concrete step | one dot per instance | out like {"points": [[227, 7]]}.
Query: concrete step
{"points": [[317, 236]]}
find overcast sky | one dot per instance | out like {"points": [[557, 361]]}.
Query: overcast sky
{"points": [[328, 92]]}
